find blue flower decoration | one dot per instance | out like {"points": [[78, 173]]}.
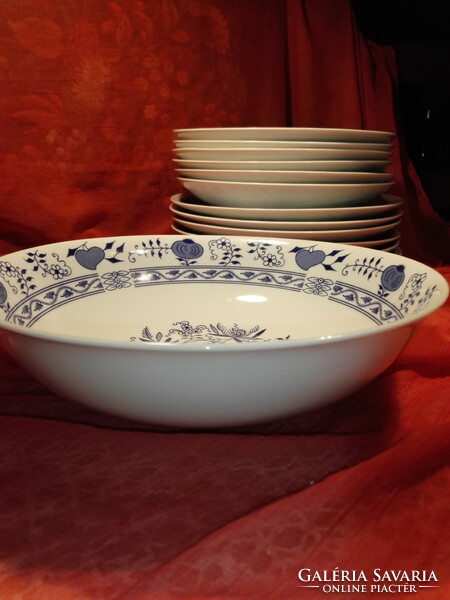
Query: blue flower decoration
{"points": [[187, 250]]}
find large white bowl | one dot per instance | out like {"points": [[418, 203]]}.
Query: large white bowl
{"points": [[279, 154], [209, 331], [283, 195], [284, 165], [382, 205], [285, 133]]}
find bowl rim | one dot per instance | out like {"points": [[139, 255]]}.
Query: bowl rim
{"points": [[408, 321]]}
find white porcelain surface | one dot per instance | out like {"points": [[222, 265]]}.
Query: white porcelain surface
{"points": [[284, 195], [286, 225], [189, 331], [281, 144], [380, 206], [285, 133], [279, 154], [335, 235], [256, 176]]}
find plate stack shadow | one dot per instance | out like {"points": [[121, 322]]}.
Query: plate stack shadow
{"points": [[300, 183]]}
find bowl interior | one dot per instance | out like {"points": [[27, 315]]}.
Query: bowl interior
{"points": [[210, 290]]}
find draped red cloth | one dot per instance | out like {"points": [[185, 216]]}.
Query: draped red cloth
{"points": [[94, 507]]}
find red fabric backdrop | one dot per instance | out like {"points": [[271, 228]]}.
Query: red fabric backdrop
{"points": [[95, 507], [93, 90]]}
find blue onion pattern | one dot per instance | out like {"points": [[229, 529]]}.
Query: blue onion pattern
{"points": [[185, 332], [393, 277], [187, 250]]}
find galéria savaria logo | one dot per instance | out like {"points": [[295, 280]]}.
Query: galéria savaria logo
{"points": [[378, 581]]}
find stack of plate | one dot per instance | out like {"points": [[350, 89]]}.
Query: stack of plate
{"points": [[304, 183]]}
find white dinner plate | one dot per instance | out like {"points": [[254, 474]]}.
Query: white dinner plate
{"points": [[285, 133], [380, 206], [279, 154], [286, 225], [284, 195], [337, 235], [285, 176], [284, 165], [282, 144]]}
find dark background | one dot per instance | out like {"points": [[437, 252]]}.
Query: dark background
{"points": [[419, 32]]}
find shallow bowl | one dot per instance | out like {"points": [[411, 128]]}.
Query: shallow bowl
{"points": [[209, 331], [361, 234], [370, 166], [284, 195], [280, 225], [379, 242], [283, 144], [285, 133], [382, 205], [256, 176], [277, 154]]}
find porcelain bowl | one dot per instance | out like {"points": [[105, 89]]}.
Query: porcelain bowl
{"points": [[283, 195], [295, 232], [394, 219], [318, 166], [255, 176], [209, 331], [307, 134], [277, 154], [381, 206], [321, 145]]}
